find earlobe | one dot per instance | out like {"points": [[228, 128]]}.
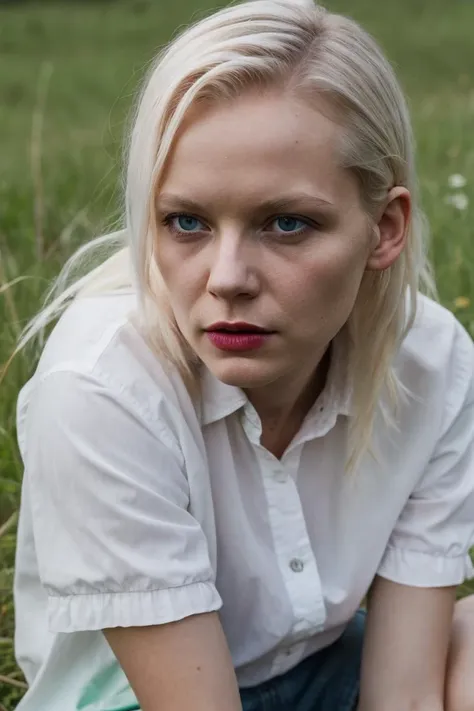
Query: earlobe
{"points": [[391, 230]]}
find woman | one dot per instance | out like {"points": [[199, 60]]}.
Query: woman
{"points": [[250, 418]]}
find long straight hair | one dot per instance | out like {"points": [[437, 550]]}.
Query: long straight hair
{"points": [[302, 47]]}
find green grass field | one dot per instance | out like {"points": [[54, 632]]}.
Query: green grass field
{"points": [[68, 72]]}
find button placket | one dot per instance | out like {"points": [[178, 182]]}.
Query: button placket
{"points": [[280, 476], [291, 542], [277, 469], [291, 460]]}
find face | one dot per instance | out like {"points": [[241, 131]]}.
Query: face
{"points": [[257, 223]]}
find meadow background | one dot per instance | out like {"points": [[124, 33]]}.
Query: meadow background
{"points": [[68, 74]]}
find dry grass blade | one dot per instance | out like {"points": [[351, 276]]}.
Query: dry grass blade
{"points": [[9, 523], [35, 153], [3, 371], [13, 314], [17, 280], [12, 682], [80, 218]]}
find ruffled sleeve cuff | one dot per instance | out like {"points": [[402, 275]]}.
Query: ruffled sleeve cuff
{"points": [[96, 611], [409, 567]]}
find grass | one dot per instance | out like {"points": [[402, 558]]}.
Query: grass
{"points": [[68, 72]]}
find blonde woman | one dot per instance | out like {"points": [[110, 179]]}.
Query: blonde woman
{"points": [[250, 418]]}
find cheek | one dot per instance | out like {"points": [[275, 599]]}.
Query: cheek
{"points": [[182, 280], [167, 263], [173, 266], [327, 282], [342, 273]]}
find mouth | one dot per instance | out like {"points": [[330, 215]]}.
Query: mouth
{"points": [[240, 327], [237, 337]]}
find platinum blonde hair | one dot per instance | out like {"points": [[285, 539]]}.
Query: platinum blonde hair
{"points": [[305, 49]]}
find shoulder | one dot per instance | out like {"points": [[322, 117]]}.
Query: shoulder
{"points": [[96, 347], [436, 359], [436, 334]]}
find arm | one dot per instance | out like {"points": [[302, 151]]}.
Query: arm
{"points": [[118, 547], [178, 666], [405, 648], [411, 603]]}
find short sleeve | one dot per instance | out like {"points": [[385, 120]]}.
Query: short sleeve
{"points": [[430, 544], [115, 542]]}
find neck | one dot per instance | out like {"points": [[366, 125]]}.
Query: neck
{"points": [[283, 407]]}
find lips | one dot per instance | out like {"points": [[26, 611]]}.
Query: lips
{"points": [[240, 327], [238, 338]]}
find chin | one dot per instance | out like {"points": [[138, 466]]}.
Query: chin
{"points": [[242, 373]]}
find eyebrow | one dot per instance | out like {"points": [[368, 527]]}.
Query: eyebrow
{"points": [[287, 202]]}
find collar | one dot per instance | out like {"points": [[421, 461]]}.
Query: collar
{"points": [[218, 400]]}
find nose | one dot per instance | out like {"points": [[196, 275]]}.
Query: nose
{"points": [[232, 271]]}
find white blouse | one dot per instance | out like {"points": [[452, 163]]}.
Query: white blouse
{"points": [[140, 508]]}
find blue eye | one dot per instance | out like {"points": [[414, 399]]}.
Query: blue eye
{"points": [[185, 223], [286, 224], [182, 224]]}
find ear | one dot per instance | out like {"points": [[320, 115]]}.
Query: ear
{"points": [[391, 230]]}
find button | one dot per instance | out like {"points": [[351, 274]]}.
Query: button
{"points": [[296, 565]]}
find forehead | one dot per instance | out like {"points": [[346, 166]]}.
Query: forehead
{"points": [[257, 145]]}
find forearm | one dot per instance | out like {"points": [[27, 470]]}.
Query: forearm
{"points": [[178, 666], [405, 648]]}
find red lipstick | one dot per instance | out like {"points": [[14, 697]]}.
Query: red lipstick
{"points": [[238, 336]]}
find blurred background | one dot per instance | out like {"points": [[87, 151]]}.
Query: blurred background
{"points": [[68, 75]]}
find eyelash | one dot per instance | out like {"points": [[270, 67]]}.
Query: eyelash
{"points": [[168, 223]]}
